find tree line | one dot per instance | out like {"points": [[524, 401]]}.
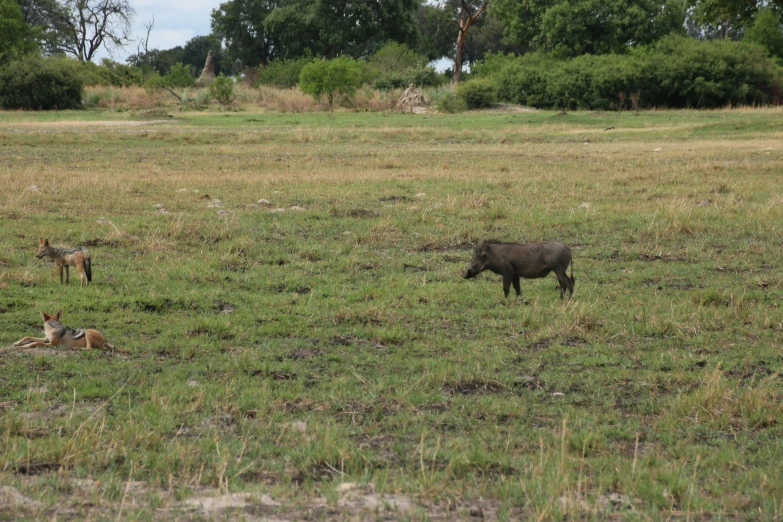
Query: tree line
{"points": [[281, 36]]}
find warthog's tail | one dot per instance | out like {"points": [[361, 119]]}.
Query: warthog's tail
{"points": [[572, 271]]}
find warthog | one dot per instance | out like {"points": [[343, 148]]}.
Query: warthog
{"points": [[531, 261]]}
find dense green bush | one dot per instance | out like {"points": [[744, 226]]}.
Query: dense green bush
{"points": [[446, 100], [477, 93], [396, 66], [422, 77], [222, 89], [111, 73], [35, 83], [283, 73], [179, 76], [676, 72], [326, 78]]}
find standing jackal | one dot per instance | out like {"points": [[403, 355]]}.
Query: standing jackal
{"points": [[67, 257], [59, 334]]}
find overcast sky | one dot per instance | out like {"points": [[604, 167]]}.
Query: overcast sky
{"points": [[176, 22]]}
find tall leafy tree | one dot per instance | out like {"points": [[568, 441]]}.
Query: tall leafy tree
{"points": [[258, 31], [767, 31], [239, 24], [439, 26], [48, 18], [725, 19], [575, 27], [16, 37], [468, 12]]}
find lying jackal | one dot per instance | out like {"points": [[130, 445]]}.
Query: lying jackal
{"points": [[59, 334], [66, 257]]}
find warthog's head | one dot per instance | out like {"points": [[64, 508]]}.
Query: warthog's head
{"points": [[479, 261], [43, 248]]}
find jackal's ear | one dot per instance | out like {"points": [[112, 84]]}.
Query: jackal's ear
{"points": [[45, 316], [57, 315], [41, 241]]}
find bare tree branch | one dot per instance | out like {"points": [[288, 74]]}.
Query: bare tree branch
{"points": [[93, 24]]}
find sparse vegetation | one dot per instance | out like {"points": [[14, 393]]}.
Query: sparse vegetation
{"points": [[283, 354]]}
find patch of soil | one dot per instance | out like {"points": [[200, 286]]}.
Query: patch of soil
{"points": [[225, 308], [530, 382], [36, 468], [541, 344], [303, 354], [445, 247], [348, 340], [575, 341], [474, 387], [11, 498], [394, 199], [101, 242], [656, 257], [354, 213]]}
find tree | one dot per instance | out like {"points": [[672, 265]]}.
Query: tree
{"points": [[47, 18], [89, 25], [342, 75], [259, 31], [469, 11], [16, 37], [576, 27], [439, 26], [240, 25], [766, 31]]}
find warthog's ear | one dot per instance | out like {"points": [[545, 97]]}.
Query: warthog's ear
{"points": [[57, 315]]}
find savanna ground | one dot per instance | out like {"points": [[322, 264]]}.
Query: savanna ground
{"points": [[328, 361]]}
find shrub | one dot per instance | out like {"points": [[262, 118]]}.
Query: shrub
{"points": [[111, 73], [283, 73], [676, 72], [423, 77], [222, 89], [477, 94], [395, 58], [446, 100], [342, 75], [179, 76], [36, 83]]}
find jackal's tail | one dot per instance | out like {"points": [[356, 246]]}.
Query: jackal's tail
{"points": [[88, 268]]}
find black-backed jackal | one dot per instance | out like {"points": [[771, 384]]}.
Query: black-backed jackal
{"points": [[66, 257], [58, 334]]}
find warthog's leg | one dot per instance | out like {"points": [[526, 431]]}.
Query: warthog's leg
{"points": [[565, 282], [516, 286], [506, 284]]}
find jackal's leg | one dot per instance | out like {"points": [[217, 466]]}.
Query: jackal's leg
{"points": [[61, 273], [67, 275], [39, 343], [28, 339]]}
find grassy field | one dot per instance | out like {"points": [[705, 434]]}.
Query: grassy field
{"points": [[327, 361]]}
